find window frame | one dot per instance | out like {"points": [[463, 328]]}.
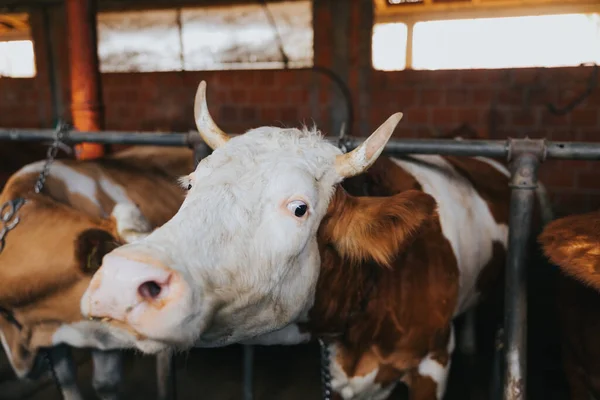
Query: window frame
{"points": [[181, 7], [411, 14], [22, 32]]}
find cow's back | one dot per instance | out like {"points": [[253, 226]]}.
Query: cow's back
{"points": [[143, 176]]}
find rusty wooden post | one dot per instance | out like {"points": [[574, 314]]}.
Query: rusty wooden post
{"points": [[86, 92]]}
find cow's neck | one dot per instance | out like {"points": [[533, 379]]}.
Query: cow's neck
{"points": [[343, 297]]}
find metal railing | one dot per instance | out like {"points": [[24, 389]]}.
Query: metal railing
{"points": [[524, 157]]}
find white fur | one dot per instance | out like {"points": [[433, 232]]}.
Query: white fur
{"points": [[252, 264], [93, 334], [132, 225], [437, 372], [465, 218], [115, 191], [357, 387], [75, 181], [290, 335]]}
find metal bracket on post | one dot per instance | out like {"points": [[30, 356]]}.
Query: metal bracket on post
{"points": [[525, 156]]}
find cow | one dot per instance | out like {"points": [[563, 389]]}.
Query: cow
{"points": [[573, 244], [85, 209], [282, 238]]}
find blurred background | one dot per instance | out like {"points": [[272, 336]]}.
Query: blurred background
{"points": [[485, 68]]}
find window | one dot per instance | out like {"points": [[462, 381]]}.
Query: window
{"points": [[389, 46], [17, 58], [211, 38], [509, 42]]}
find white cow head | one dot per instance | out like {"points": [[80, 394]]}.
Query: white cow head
{"points": [[240, 258]]}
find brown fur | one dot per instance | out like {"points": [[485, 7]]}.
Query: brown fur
{"points": [[573, 243], [389, 279], [61, 237]]}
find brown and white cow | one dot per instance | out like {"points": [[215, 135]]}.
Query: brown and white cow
{"points": [[281, 239], [573, 243], [86, 209]]}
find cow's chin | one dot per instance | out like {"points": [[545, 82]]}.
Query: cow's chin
{"points": [[150, 347]]}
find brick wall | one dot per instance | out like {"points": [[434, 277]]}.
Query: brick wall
{"points": [[498, 103]]}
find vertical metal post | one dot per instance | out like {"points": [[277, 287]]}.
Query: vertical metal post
{"points": [[525, 156], [248, 372], [86, 91], [165, 376]]}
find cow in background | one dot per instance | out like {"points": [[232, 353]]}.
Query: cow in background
{"points": [[573, 244], [86, 209], [282, 238]]}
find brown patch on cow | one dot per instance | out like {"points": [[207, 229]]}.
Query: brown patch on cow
{"points": [[389, 310], [421, 387], [388, 375], [492, 272], [377, 229], [490, 184], [573, 243], [388, 284], [384, 178], [464, 131], [41, 266], [91, 246]]}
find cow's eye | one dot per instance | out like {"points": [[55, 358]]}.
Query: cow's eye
{"points": [[189, 186], [298, 208]]}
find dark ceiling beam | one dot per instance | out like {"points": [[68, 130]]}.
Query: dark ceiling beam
{"points": [[120, 5]]}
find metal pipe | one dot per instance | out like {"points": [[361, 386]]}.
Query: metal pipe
{"points": [[104, 137], [526, 156], [573, 151], [86, 92], [472, 148], [484, 148]]}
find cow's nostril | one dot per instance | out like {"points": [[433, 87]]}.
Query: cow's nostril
{"points": [[149, 290]]}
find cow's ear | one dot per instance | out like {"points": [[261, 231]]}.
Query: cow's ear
{"points": [[91, 246], [375, 228], [20, 358], [573, 243]]}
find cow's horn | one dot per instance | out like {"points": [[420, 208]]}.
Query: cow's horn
{"points": [[361, 158], [210, 132]]}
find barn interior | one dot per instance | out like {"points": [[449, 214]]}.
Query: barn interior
{"points": [[487, 69]]}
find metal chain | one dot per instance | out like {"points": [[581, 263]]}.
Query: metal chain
{"points": [[61, 133], [9, 220], [58, 143], [325, 371]]}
